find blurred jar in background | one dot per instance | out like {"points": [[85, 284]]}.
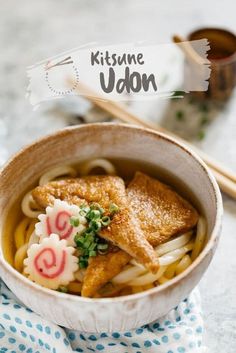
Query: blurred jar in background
{"points": [[222, 56]]}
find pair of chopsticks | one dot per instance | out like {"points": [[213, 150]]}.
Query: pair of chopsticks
{"points": [[224, 176]]}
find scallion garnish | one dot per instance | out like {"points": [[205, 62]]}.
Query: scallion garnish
{"points": [[94, 214], [82, 213], [83, 262], [105, 221], [92, 253], [96, 225], [113, 208], [96, 206], [62, 289], [84, 209], [201, 135], [74, 221], [90, 231], [102, 246], [89, 243], [180, 115]]}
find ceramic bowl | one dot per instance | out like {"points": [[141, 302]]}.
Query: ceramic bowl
{"points": [[116, 141]]}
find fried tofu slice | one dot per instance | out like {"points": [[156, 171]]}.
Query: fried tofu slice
{"points": [[123, 231], [102, 269], [162, 213]]}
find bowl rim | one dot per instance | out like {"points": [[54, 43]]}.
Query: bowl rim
{"points": [[209, 246]]}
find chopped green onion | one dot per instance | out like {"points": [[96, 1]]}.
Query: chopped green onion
{"points": [[88, 243], [83, 205], [102, 246], [62, 289], [85, 253], [201, 135], [89, 237], [105, 221], [89, 231], [179, 115], [83, 213], [96, 226], [204, 120], [113, 208], [96, 206], [102, 252], [83, 264], [79, 243], [74, 221], [101, 210], [94, 214], [79, 240], [92, 246], [92, 253], [84, 209]]}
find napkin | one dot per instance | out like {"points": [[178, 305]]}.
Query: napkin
{"points": [[22, 330]]}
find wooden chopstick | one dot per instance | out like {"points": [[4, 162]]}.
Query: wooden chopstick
{"points": [[224, 176], [188, 50]]}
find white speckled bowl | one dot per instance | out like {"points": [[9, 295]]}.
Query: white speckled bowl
{"points": [[110, 140]]}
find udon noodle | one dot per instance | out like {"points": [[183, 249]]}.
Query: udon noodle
{"points": [[174, 256]]}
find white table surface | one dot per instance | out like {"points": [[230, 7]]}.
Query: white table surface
{"points": [[31, 31]]}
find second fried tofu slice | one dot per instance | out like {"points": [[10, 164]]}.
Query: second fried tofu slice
{"points": [[161, 211], [124, 229]]}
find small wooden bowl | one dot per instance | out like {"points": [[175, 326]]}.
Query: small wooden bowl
{"points": [[116, 141], [222, 56]]}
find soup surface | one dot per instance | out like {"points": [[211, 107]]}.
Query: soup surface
{"points": [[104, 228]]}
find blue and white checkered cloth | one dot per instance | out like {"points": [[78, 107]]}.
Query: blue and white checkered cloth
{"points": [[21, 330]]}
